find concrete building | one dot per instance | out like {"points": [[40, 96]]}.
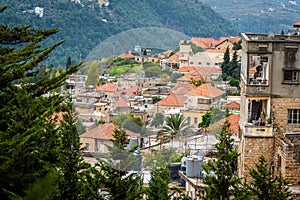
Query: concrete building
{"points": [[270, 105]]}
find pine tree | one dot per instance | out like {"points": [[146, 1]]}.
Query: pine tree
{"points": [[115, 175], [264, 186], [92, 74], [28, 138], [76, 178], [159, 185], [221, 182], [69, 62]]}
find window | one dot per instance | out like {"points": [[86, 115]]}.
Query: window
{"points": [[208, 63], [86, 147], [294, 116], [290, 76], [191, 63], [188, 119], [195, 120], [199, 63]]}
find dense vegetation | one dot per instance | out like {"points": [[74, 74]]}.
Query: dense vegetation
{"points": [[84, 27]]}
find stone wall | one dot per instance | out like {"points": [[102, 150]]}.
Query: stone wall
{"points": [[280, 108], [250, 148], [286, 159]]}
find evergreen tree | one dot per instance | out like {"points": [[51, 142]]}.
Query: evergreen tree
{"points": [[92, 74], [114, 170], [221, 182], [264, 186], [234, 71], [76, 178], [226, 63], [159, 185], [28, 139], [69, 62]]}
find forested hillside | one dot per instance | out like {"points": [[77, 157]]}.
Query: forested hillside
{"points": [[85, 25], [258, 16]]}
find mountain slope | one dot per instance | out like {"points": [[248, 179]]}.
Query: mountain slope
{"points": [[85, 24], [258, 16]]}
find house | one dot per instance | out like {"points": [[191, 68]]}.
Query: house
{"points": [[203, 97], [171, 104], [270, 106], [108, 89], [96, 139]]}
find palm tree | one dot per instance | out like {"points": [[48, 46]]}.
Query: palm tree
{"points": [[176, 125]]}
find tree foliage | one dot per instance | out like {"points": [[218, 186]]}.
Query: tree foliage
{"points": [[92, 74], [221, 182], [158, 120], [131, 123], [34, 150], [176, 125], [115, 175], [264, 186]]}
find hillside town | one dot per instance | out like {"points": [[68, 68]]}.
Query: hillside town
{"points": [[213, 118], [264, 117]]}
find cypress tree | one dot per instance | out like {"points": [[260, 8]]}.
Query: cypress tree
{"points": [[92, 74], [226, 63]]}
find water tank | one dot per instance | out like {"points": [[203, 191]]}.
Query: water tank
{"points": [[193, 167], [133, 142]]}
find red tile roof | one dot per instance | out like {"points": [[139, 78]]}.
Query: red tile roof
{"points": [[105, 132], [186, 69], [130, 92], [208, 43], [174, 57], [126, 55], [233, 120], [206, 90], [182, 89], [172, 100], [107, 87], [205, 43], [120, 103], [233, 105], [296, 24]]}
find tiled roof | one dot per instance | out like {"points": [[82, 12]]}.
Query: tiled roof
{"points": [[107, 87], [186, 69], [120, 103], [171, 100], [188, 77], [205, 43], [126, 55], [208, 43], [174, 57], [130, 92], [206, 90], [233, 105], [105, 132], [296, 24], [233, 120], [182, 89]]}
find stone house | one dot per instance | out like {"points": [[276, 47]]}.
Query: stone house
{"points": [[108, 89], [270, 105], [96, 139]]}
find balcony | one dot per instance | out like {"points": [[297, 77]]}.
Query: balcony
{"points": [[256, 130]]}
